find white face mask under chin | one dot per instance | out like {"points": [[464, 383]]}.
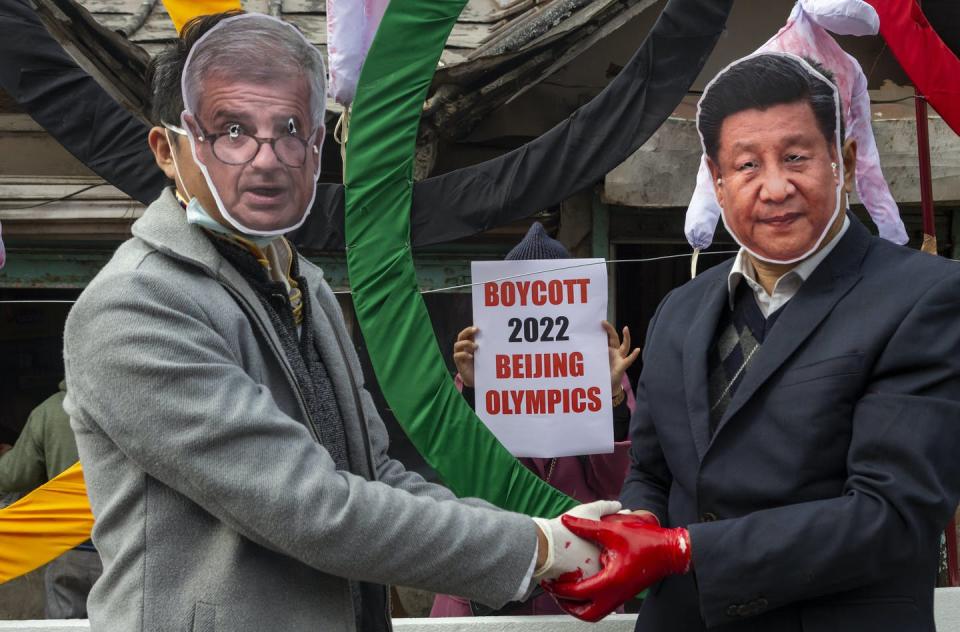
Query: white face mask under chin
{"points": [[176, 168]]}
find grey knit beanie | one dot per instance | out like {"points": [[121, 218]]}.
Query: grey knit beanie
{"points": [[537, 244]]}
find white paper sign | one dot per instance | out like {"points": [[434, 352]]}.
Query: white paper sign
{"points": [[542, 372]]}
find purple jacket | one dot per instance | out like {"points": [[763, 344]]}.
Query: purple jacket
{"points": [[585, 478]]}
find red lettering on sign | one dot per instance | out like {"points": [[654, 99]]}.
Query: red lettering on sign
{"points": [[490, 294], [578, 404], [517, 398], [520, 366], [553, 398], [538, 293], [576, 364], [536, 403], [543, 401], [502, 362], [493, 403], [583, 283], [594, 394], [508, 294]]}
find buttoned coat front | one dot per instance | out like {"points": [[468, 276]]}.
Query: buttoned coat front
{"points": [[819, 501]]}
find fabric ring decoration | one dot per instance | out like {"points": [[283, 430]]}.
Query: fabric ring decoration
{"points": [[379, 193], [928, 61], [43, 524]]}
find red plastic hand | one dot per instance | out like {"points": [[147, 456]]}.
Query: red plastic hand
{"points": [[636, 554]]}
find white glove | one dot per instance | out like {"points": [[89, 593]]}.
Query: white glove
{"points": [[566, 552]]}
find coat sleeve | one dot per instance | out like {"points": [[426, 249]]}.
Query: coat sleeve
{"points": [[22, 469], [388, 470], [648, 478], [902, 487], [145, 365], [393, 472]]}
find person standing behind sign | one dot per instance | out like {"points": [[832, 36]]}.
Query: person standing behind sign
{"points": [[586, 478]]}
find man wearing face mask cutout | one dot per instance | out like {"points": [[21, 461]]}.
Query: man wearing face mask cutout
{"points": [[236, 466], [795, 426]]}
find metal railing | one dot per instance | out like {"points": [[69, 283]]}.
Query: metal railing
{"points": [[946, 612]]}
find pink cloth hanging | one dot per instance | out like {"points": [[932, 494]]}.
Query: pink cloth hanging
{"points": [[351, 25]]}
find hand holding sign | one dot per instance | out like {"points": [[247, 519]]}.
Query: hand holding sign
{"points": [[463, 350], [621, 358]]}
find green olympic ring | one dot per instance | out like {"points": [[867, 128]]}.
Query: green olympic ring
{"points": [[378, 178]]}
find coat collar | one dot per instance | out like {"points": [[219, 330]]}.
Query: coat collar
{"points": [[164, 227], [814, 301]]}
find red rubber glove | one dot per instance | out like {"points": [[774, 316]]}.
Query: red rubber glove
{"points": [[637, 553]]}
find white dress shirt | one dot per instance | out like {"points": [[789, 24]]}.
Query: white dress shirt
{"points": [[786, 286]]}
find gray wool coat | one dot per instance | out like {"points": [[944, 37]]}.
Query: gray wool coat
{"points": [[216, 508]]}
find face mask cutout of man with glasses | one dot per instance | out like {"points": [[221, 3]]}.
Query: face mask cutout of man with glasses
{"points": [[255, 130]]}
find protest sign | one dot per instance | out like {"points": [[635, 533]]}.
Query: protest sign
{"points": [[542, 372]]}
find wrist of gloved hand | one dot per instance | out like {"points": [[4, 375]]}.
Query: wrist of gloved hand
{"points": [[568, 555], [636, 554]]}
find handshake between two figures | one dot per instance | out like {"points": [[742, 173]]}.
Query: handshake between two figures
{"points": [[593, 559]]}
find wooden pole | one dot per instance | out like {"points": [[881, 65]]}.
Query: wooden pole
{"points": [[930, 246], [953, 568], [926, 176]]}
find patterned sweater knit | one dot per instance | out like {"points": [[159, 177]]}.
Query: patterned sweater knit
{"points": [[740, 334]]}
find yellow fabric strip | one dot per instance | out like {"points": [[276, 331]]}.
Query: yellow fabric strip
{"points": [[182, 11], [45, 523]]}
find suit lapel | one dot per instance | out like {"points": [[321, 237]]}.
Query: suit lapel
{"points": [[696, 347], [829, 283]]}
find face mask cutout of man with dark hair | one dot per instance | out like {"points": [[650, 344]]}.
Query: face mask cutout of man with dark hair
{"points": [[770, 132]]}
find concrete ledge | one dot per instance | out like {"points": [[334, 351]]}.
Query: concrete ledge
{"points": [[946, 606], [616, 623]]}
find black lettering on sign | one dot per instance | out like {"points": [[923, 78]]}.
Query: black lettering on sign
{"points": [[531, 330], [547, 324], [516, 323], [539, 330]]}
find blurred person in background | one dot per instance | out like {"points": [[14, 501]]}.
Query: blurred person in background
{"points": [[45, 449]]}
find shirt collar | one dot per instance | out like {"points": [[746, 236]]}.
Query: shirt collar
{"points": [[743, 268]]}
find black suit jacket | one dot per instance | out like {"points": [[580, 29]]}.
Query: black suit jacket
{"points": [[818, 503]]}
